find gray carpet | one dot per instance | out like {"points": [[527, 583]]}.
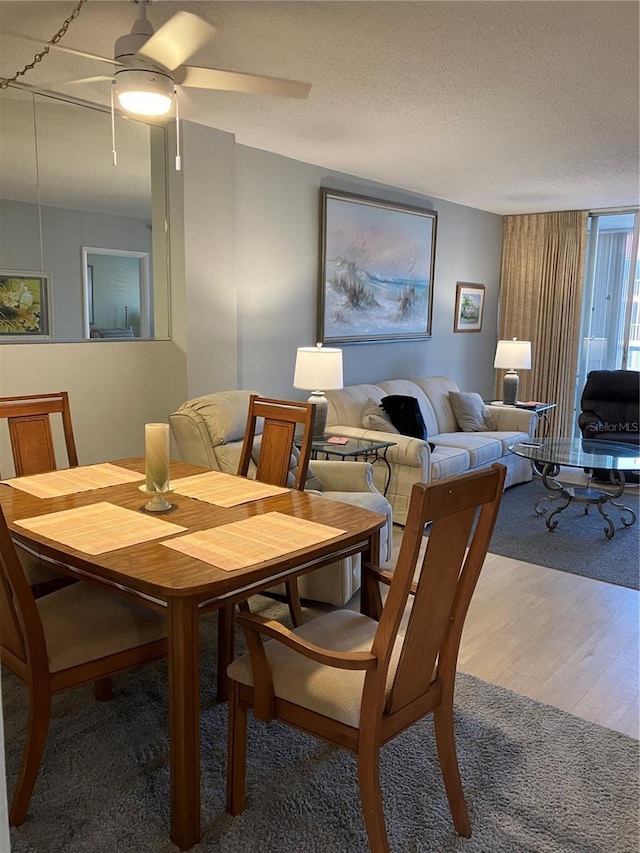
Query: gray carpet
{"points": [[577, 545], [536, 779]]}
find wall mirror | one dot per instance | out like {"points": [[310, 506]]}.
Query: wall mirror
{"points": [[94, 232]]}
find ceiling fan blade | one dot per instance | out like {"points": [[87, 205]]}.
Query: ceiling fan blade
{"points": [[236, 81], [177, 40], [101, 78], [84, 54], [59, 47]]}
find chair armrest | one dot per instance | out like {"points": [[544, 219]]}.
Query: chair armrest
{"points": [[344, 476], [511, 419], [589, 424], [263, 692], [384, 577], [277, 631]]}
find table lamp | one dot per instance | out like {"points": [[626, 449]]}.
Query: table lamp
{"points": [[318, 368], [512, 355]]}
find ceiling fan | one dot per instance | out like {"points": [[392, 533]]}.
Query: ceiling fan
{"points": [[149, 65]]}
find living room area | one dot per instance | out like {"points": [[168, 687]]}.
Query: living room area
{"points": [[549, 654]]}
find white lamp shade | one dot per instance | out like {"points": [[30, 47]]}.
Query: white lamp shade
{"points": [[318, 368], [513, 355]]}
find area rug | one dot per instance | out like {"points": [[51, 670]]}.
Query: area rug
{"points": [[577, 545], [536, 779]]}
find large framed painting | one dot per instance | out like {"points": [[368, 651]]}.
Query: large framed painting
{"points": [[25, 305], [376, 270], [469, 307]]}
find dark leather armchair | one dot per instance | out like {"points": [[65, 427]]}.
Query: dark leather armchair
{"points": [[610, 410]]}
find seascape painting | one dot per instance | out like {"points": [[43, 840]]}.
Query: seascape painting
{"points": [[376, 270]]}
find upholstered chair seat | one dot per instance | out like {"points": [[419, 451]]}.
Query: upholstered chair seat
{"points": [[82, 623], [335, 693]]}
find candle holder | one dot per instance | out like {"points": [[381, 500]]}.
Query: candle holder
{"points": [[158, 502]]}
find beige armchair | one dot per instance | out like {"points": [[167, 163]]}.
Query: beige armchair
{"points": [[209, 431]]}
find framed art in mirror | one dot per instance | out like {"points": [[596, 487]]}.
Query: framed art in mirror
{"points": [[25, 306], [469, 307], [377, 261]]}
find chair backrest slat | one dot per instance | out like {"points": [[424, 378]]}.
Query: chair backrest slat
{"points": [[281, 417], [30, 433], [446, 580]]}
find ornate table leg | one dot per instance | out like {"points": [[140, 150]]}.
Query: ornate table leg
{"points": [[542, 505], [618, 480]]}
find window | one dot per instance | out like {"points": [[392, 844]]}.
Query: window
{"points": [[610, 329]]}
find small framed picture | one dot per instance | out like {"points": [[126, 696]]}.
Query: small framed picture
{"points": [[25, 305], [469, 307]]}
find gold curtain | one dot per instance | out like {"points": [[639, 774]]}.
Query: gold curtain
{"points": [[541, 301]]}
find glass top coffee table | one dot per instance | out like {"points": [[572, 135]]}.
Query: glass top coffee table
{"points": [[552, 454]]}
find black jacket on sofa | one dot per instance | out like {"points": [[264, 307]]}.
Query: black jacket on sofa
{"points": [[610, 410]]}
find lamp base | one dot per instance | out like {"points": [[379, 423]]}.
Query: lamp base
{"points": [[320, 423], [510, 384]]}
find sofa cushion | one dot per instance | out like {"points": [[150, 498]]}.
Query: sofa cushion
{"points": [[471, 412], [482, 448], [404, 413], [447, 461], [436, 391], [374, 417], [345, 404]]}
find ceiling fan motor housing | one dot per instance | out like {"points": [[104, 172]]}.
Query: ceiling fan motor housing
{"points": [[138, 74], [143, 79]]}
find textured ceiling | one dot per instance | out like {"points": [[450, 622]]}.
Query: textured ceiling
{"points": [[515, 106]]}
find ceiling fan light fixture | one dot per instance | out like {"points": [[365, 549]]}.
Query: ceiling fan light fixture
{"points": [[146, 93]]}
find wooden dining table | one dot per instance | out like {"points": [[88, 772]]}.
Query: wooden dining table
{"points": [[185, 587]]}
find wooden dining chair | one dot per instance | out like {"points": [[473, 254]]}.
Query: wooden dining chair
{"points": [[274, 460], [31, 438], [281, 418], [357, 682], [29, 419], [76, 635]]}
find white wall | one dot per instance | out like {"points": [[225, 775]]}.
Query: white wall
{"points": [[210, 259]]}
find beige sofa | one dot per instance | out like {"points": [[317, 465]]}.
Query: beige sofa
{"points": [[411, 459], [209, 431]]}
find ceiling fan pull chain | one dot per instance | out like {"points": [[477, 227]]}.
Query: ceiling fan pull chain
{"points": [[113, 127], [6, 81], [178, 158]]}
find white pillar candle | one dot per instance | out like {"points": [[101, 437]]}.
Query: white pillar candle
{"points": [[156, 448]]}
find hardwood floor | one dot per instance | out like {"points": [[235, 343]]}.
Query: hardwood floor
{"points": [[559, 638]]}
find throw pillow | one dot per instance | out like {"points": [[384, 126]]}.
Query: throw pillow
{"points": [[404, 413], [373, 417], [471, 412]]}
